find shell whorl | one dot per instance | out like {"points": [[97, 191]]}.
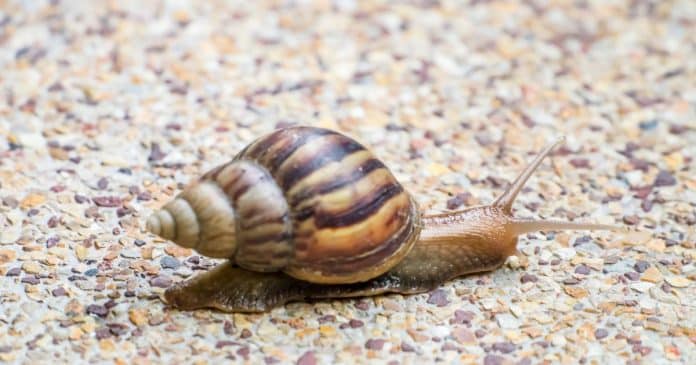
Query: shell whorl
{"points": [[308, 201]]}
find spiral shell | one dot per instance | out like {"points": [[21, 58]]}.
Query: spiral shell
{"points": [[307, 201]]}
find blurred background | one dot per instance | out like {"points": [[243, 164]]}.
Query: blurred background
{"points": [[107, 108]]}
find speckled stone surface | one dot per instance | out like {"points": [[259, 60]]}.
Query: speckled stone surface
{"points": [[107, 108]]}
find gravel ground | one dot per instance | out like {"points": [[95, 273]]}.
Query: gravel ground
{"points": [[108, 108]]}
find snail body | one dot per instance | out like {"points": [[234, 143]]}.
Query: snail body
{"points": [[310, 213]]}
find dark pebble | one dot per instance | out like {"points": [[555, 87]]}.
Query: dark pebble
{"points": [[631, 219], [118, 329], [30, 279], [307, 358], [580, 163], [97, 310], [103, 183], [664, 178], [91, 272], [458, 200], [648, 125], [57, 188], [581, 240], [529, 278], [493, 360], [642, 192], [245, 333], [144, 196], [221, 344], [479, 333], [10, 202], [327, 318], [161, 281], [107, 201], [269, 360], [677, 129], [59, 292], [228, 328], [374, 344], [168, 262], [244, 352], [450, 347], [52, 241], [582, 269], [15, 271], [601, 333], [407, 348], [504, 347], [156, 153], [632, 275], [462, 317], [102, 333], [647, 205], [571, 281], [139, 243], [641, 266], [355, 323], [122, 212], [438, 297]]}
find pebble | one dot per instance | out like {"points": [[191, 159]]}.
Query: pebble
{"points": [[641, 265], [374, 344], [107, 201], [7, 256], [438, 297], [664, 178], [652, 274], [678, 281], [97, 310], [463, 335], [582, 270], [493, 360], [601, 333], [307, 358], [138, 316], [507, 321], [168, 262], [161, 281], [504, 347]]}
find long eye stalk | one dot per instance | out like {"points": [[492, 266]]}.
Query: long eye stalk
{"points": [[521, 225]]}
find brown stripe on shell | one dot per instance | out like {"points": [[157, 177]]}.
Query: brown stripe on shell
{"points": [[263, 144], [361, 210], [282, 154], [352, 268], [264, 238], [347, 264], [352, 240], [335, 183], [302, 163]]}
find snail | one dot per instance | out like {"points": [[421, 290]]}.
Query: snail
{"points": [[307, 212]]}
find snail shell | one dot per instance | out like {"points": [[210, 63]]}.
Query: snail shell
{"points": [[310, 202]]}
